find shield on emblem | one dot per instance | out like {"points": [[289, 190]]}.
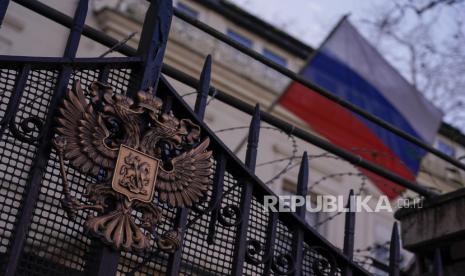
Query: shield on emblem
{"points": [[135, 174]]}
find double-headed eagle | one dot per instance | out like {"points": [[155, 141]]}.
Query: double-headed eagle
{"points": [[135, 151]]}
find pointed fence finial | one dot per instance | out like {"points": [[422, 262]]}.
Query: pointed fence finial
{"points": [[152, 42], [252, 141], [394, 252], [349, 229], [203, 88], [247, 195], [302, 183]]}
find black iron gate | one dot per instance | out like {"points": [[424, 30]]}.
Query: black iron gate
{"points": [[229, 233]]}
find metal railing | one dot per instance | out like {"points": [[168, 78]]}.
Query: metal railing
{"points": [[228, 234]]}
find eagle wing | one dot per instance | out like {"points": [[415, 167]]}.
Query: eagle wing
{"points": [[84, 132], [187, 181]]}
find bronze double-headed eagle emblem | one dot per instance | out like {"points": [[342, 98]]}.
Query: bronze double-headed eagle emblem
{"points": [[139, 156]]}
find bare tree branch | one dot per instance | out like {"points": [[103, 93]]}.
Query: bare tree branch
{"points": [[433, 57]]}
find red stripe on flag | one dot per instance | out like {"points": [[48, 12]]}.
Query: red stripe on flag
{"points": [[347, 131]]}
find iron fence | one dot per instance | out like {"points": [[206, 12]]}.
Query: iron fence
{"points": [[229, 233]]}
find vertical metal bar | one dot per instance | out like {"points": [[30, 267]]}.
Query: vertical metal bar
{"points": [[394, 252], [43, 152], [3, 9], [15, 98], [152, 43], [349, 231], [298, 237], [246, 198], [252, 142], [270, 241], [104, 260], [438, 269], [302, 183], [174, 263], [218, 184]]}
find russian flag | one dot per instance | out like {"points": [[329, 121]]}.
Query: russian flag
{"points": [[349, 67]]}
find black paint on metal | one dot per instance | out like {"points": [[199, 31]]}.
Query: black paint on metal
{"points": [[349, 232], [394, 252], [46, 134], [3, 8], [181, 218], [153, 41], [250, 162], [298, 241]]}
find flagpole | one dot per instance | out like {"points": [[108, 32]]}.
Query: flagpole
{"points": [[278, 98]]}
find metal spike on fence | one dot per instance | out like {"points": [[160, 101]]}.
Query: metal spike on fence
{"points": [[200, 104], [349, 231], [302, 183], [298, 237], [246, 198], [152, 43], [394, 252], [203, 88], [252, 141], [438, 269]]}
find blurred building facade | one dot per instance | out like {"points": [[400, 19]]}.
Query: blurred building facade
{"points": [[29, 34]]}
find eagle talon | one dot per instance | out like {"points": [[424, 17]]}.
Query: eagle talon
{"points": [[72, 205], [170, 241]]}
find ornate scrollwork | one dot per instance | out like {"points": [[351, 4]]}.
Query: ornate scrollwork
{"points": [[27, 128], [170, 241], [283, 264], [134, 151], [230, 215], [322, 261], [255, 253]]}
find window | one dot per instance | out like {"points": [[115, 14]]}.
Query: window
{"points": [[240, 38], [187, 10], [445, 148], [275, 57]]}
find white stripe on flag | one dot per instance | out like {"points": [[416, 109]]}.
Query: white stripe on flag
{"points": [[350, 48]]}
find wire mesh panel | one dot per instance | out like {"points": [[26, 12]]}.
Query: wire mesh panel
{"points": [[209, 243], [14, 164], [17, 145], [57, 245], [54, 245]]}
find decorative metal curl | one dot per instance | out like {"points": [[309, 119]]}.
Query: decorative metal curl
{"points": [[230, 215], [320, 266], [255, 253], [26, 128], [170, 241], [283, 264]]}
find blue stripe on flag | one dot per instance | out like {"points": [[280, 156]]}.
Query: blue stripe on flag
{"points": [[334, 76]]}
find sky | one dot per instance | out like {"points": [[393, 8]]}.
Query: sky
{"points": [[311, 21], [308, 20]]}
